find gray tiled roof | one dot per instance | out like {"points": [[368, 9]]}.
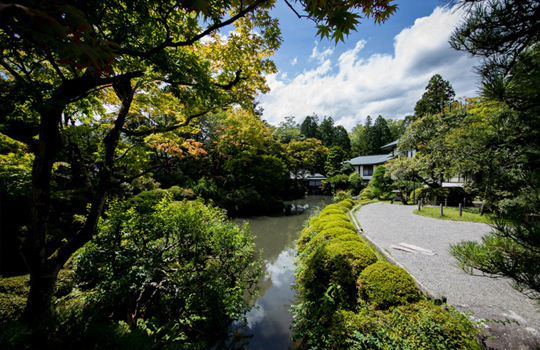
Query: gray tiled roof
{"points": [[390, 145], [315, 176], [368, 160]]}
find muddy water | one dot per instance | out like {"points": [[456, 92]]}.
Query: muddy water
{"points": [[275, 235]]}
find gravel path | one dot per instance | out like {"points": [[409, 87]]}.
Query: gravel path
{"points": [[390, 224]]}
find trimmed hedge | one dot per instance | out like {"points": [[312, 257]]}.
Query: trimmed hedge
{"points": [[333, 217], [327, 212], [334, 207], [384, 285], [333, 224], [335, 264], [336, 231], [306, 236], [347, 203], [348, 300]]}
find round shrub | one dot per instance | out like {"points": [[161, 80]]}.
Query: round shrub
{"points": [[330, 212], [337, 231], [333, 224], [333, 207], [345, 260], [347, 203], [351, 237], [329, 237], [366, 193], [333, 217], [338, 264], [341, 195], [384, 285]]}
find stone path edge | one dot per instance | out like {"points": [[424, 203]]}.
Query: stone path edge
{"points": [[390, 259]]}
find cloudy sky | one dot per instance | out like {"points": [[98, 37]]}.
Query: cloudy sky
{"points": [[380, 70]]}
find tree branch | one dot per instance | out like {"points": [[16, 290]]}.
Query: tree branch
{"points": [[165, 128], [168, 42]]}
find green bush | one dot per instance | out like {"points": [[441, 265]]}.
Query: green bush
{"points": [[408, 327], [386, 196], [338, 231], [146, 200], [306, 236], [384, 285], [330, 212], [341, 195], [64, 283], [366, 194], [334, 207], [336, 264], [345, 323], [330, 236], [18, 285], [347, 203], [11, 307], [176, 266], [333, 217], [180, 193], [332, 224]]}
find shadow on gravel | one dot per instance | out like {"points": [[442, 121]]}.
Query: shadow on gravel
{"points": [[513, 335]]}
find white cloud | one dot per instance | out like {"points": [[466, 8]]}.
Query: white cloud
{"points": [[320, 56], [294, 61], [389, 85]]}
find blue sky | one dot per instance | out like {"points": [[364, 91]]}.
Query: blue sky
{"points": [[379, 70]]}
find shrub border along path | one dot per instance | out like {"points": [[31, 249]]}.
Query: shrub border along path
{"points": [[389, 258], [384, 224]]}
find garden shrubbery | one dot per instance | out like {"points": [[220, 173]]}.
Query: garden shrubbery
{"points": [[349, 300], [438, 195], [156, 275], [384, 285]]}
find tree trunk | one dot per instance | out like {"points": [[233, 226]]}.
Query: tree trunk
{"points": [[43, 270], [42, 264]]}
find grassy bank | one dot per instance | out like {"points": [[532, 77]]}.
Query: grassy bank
{"points": [[450, 213]]}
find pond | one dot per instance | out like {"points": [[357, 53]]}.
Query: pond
{"points": [[275, 235]]}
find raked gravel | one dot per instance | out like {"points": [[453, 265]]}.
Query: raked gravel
{"points": [[390, 225]]}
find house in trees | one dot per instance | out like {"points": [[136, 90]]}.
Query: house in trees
{"points": [[456, 181], [365, 165], [313, 183]]}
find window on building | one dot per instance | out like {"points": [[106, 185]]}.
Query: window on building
{"points": [[368, 170], [315, 183]]}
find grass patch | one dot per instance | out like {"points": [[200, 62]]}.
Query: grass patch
{"points": [[450, 213]]}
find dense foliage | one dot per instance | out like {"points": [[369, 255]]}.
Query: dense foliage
{"points": [[368, 139], [178, 271]]}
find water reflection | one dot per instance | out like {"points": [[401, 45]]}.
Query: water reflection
{"points": [[270, 323]]}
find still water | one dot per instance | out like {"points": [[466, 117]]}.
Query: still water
{"points": [[275, 235]]}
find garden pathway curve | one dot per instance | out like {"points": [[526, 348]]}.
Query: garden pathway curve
{"points": [[388, 224]]}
